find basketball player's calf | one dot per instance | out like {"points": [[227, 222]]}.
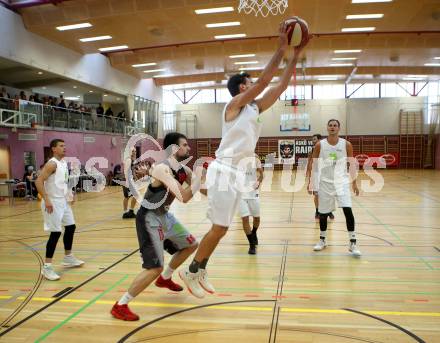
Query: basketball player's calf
{"points": [[350, 222], [251, 234], [156, 233], [152, 271], [195, 277]]}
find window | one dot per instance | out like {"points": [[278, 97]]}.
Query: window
{"points": [[301, 92], [169, 122], [392, 90], [170, 99], [368, 90], [336, 91], [200, 96], [223, 95]]}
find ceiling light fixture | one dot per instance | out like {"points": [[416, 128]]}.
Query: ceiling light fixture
{"points": [[364, 16], [358, 29], [92, 39], [247, 62], [154, 70], [368, 1], [242, 56], [74, 27], [344, 58], [230, 23], [214, 10], [347, 51], [143, 65], [341, 64], [237, 35], [112, 48]]}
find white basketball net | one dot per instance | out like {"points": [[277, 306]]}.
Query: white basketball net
{"points": [[263, 7]]}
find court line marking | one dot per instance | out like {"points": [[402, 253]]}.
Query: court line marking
{"points": [[72, 290], [398, 327], [55, 300], [420, 194], [221, 306], [32, 292], [321, 279], [241, 329], [390, 230], [276, 306], [131, 333], [73, 315]]}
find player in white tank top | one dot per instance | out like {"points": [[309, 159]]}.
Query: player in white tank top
{"points": [[250, 203], [331, 180], [53, 186], [315, 139], [241, 127]]}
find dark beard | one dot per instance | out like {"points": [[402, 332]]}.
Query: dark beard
{"points": [[181, 158]]}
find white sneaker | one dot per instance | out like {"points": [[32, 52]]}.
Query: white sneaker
{"points": [[191, 281], [354, 250], [49, 273], [204, 282], [71, 261], [320, 246]]}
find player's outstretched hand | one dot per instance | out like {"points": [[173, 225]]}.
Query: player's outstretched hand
{"points": [[283, 35]]}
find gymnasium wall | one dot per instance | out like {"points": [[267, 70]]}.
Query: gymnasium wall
{"points": [[437, 153], [357, 116], [80, 145], [22, 46]]}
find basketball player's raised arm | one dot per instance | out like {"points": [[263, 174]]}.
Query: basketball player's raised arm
{"points": [[163, 174], [263, 81], [272, 95], [352, 169], [48, 169]]}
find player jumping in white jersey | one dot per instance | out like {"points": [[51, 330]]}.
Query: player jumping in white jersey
{"points": [[241, 127], [332, 181]]}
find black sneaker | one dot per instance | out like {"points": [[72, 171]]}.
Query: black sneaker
{"points": [[252, 250], [131, 214]]}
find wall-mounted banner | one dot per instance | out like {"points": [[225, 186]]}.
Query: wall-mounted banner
{"points": [[286, 151], [391, 159], [290, 150]]}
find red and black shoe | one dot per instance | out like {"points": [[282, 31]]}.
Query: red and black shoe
{"points": [[122, 312], [168, 283]]}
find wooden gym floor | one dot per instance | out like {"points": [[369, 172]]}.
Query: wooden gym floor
{"points": [[286, 293]]}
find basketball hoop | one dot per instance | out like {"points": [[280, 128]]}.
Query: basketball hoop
{"points": [[263, 7]]}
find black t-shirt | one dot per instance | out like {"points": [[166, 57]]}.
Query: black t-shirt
{"points": [[155, 195]]}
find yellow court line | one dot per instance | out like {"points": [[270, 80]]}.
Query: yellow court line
{"points": [[236, 308]]}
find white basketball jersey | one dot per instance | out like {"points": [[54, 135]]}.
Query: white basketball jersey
{"points": [[333, 162], [240, 136], [251, 180], [56, 184]]}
